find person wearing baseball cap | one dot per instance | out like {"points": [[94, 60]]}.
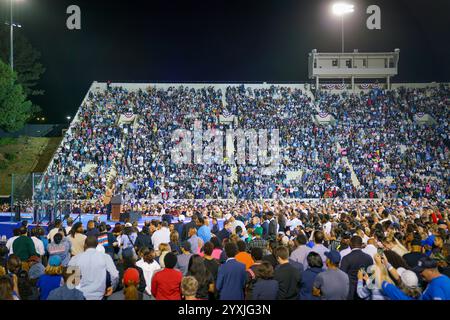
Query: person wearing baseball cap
{"points": [[408, 287], [333, 283], [130, 286], [438, 284], [413, 257]]}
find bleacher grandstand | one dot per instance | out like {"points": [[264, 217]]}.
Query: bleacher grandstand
{"points": [[375, 147]]}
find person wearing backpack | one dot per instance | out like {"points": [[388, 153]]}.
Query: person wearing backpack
{"points": [[127, 241]]}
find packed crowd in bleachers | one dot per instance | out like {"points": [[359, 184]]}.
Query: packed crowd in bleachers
{"points": [[262, 250], [384, 141], [391, 155]]}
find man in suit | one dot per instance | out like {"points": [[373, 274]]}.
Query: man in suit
{"points": [[353, 262], [232, 276], [188, 226], [273, 225], [265, 226]]}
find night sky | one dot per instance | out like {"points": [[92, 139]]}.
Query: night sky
{"points": [[219, 41]]}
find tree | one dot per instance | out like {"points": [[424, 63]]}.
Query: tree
{"points": [[15, 109], [26, 60]]}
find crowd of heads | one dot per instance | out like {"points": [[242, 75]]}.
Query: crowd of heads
{"points": [[392, 156], [294, 250]]}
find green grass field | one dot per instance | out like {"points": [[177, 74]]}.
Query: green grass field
{"points": [[24, 155]]}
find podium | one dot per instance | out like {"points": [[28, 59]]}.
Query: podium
{"points": [[116, 207]]}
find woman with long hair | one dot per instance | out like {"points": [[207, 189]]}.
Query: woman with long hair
{"points": [[175, 242], [395, 260], [163, 249], [370, 287], [7, 291], [77, 239], [205, 279]]}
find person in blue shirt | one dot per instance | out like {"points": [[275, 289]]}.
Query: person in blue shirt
{"points": [[438, 284], [52, 278], [204, 232]]}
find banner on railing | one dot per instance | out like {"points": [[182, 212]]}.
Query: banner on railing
{"points": [[367, 86], [334, 86]]}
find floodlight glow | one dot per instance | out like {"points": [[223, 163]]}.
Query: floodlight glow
{"points": [[341, 8]]}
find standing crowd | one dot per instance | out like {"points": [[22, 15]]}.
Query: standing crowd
{"points": [[252, 250]]}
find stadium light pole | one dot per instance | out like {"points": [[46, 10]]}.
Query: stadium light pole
{"points": [[12, 25], [341, 9]]}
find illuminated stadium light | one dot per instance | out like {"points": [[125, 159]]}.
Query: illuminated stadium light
{"points": [[341, 8]]}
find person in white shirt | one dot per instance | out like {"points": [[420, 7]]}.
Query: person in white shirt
{"points": [[370, 249], [327, 226], [38, 244], [69, 225], [162, 235], [149, 266], [55, 230], [294, 222], [93, 266], [9, 243]]}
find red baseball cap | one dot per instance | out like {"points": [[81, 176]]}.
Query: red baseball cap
{"points": [[131, 275]]}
